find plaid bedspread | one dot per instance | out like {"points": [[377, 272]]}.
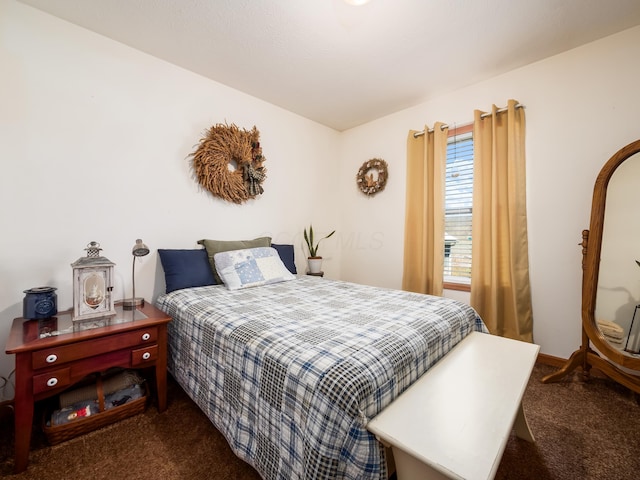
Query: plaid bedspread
{"points": [[290, 373]]}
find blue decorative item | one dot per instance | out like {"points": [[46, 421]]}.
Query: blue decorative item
{"points": [[40, 302]]}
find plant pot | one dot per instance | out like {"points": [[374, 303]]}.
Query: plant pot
{"points": [[315, 264]]}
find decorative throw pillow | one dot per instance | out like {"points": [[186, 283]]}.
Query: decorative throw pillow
{"points": [[186, 268], [287, 256], [251, 267], [217, 246]]}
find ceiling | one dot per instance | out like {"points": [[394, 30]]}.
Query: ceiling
{"points": [[343, 65]]}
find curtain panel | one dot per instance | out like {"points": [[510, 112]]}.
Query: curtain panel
{"points": [[500, 290], [424, 210]]}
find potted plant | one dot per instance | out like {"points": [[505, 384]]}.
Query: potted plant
{"points": [[314, 260]]}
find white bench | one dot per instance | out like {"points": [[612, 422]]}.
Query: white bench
{"points": [[454, 422]]}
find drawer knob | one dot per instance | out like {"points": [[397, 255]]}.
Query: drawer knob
{"points": [[52, 382], [146, 356], [146, 336], [51, 358]]}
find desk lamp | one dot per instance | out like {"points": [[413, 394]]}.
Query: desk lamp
{"points": [[139, 250]]}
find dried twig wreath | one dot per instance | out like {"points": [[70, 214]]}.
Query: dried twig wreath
{"points": [[228, 163], [372, 176]]}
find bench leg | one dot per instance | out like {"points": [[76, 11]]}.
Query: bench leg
{"points": [[522, 427], [410, 468]]}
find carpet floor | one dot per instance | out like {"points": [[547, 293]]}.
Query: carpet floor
{"points": [[586, 431]]}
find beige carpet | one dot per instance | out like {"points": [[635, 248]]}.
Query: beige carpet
{"points": [[584, 431]]}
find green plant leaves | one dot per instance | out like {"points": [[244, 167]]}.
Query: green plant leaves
{"points": [[308, 238]]}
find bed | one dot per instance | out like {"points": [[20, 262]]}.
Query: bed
{"points": [[291, 371]]}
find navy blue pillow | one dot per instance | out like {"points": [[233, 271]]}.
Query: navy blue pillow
{"points": [[287, 256], [186, 268]]}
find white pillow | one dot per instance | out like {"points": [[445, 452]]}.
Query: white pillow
{"points": [[251, 267]]}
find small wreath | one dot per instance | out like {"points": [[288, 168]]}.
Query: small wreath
{"points": [[228, 163], [372, 176]]}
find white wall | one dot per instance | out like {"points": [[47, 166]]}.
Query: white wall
{"points": [[94, 145], [581, 107]]}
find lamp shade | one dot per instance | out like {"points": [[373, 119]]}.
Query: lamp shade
{"points": [[140, 249]]}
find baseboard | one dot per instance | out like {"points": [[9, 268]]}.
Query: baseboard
{"points": [[557, 362], [550, 360]]}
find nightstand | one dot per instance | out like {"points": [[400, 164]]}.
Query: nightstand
{"points": [[314, 274], [53, 354]]}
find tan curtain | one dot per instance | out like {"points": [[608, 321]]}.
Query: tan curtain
{"points": [[500, 290], [424, 213]]}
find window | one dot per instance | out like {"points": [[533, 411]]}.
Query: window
{"points": [[458, 209]]}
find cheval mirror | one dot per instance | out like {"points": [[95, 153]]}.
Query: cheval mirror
{"points": [[611, 276]]}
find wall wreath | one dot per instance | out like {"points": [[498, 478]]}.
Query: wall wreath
{"points": [[229, 163], [372, 176]]}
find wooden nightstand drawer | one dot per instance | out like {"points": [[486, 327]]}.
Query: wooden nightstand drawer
{"points": [[143, 355], [51, 380], [68, 353]]}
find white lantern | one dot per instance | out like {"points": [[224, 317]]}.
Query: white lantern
{"points": [[92, 285]]}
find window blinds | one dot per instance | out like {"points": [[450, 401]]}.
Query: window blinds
{"points": [[458, 209]]}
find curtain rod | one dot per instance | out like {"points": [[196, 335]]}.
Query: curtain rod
{"points": [[484, 115]]}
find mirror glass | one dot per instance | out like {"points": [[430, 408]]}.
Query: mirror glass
{"points": [[618, 291]]}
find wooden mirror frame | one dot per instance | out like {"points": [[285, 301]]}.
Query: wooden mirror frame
{"points": [[610, 359]]}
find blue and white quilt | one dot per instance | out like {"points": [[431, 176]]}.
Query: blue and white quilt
{"points": [[290, 373]]}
